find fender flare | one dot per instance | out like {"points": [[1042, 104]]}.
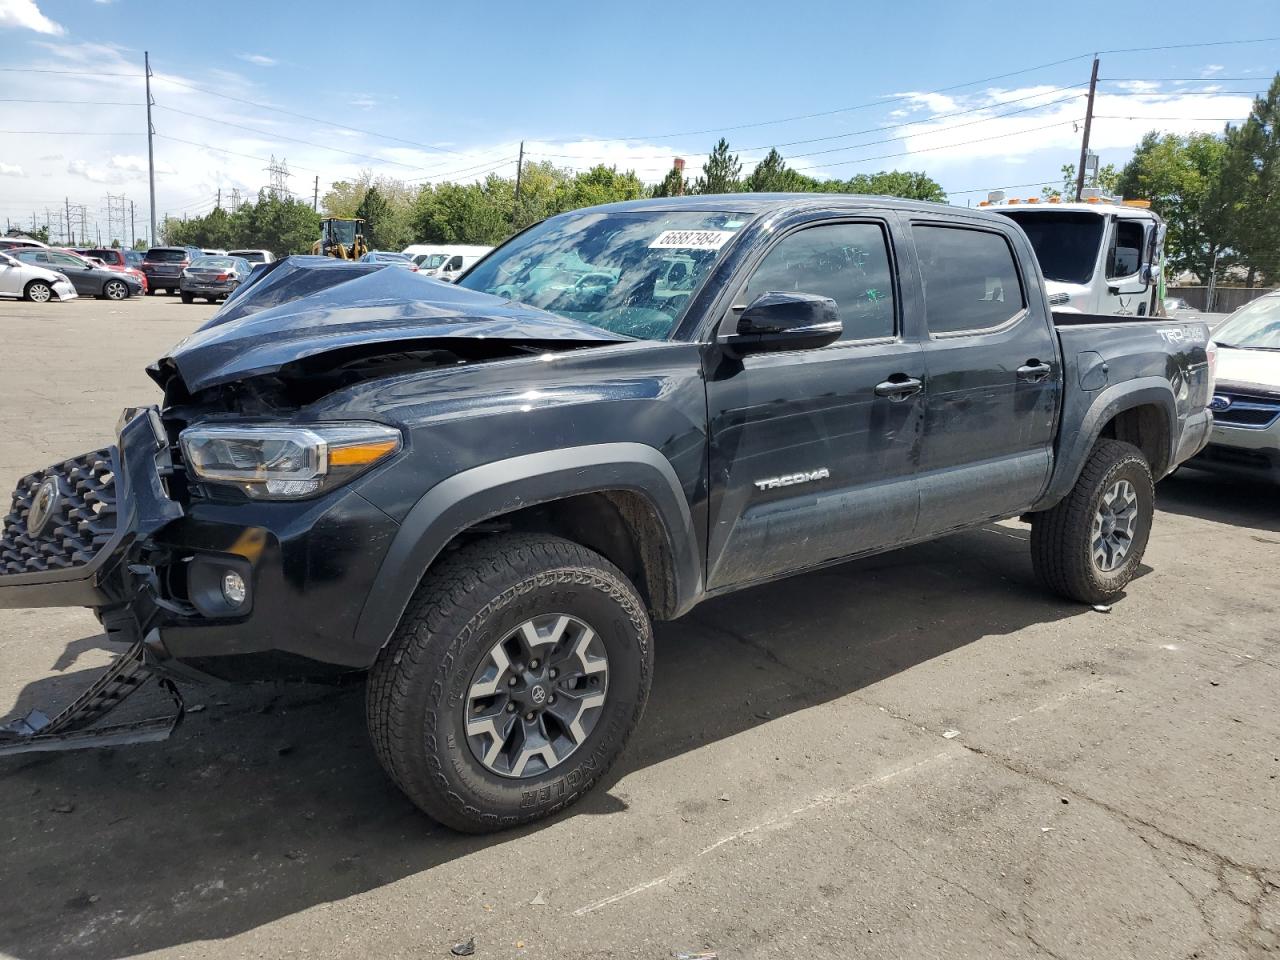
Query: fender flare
{"points": [[486, 491], [1074, 449]]}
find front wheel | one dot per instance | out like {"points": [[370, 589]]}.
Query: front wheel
{"points": [[512, 683], [1090, 545], [39, 292], [188, 298], [115, 290]]}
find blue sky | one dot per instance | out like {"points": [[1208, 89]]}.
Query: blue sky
{"points": [[431, 91]]}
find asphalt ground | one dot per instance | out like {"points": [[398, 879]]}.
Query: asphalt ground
{"points": [[919, 755]]}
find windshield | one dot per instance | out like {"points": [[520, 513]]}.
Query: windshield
{"points": [[1066, 243], [342, 231], [166, 255], [630, 273], [221, 263], [1252, 327], [253, 256], [432, 260]]}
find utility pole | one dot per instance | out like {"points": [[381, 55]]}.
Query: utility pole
{"points": [[70, 239], [133, 228], [515, 213], [218, 203], [1088, 122], [151, 152], [315, 194]]}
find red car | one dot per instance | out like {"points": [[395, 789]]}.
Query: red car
{"points": [[116, 260]]}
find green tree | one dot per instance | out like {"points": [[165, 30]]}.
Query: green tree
{"points": [[1107, 180], [772, 175], [1182, 177], [896, 183], [673, 184], [540, 184], [1252, 171], [721, 173], [598, 185], [381, 231]]}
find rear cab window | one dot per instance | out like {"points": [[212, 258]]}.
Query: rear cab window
{"points": [[970, 278]]}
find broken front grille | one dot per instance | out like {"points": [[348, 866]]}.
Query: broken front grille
{"points": [[81, 516]]}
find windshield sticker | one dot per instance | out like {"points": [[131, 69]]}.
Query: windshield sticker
{"points": [[691, 240]]}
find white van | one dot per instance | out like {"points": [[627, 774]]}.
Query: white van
{"points": [[444, 261]]}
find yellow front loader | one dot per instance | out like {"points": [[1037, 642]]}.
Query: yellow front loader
{"points": [[340, 238]]}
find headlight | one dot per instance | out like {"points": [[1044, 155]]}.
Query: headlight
{"points": [[286, 463], [60, 277]]}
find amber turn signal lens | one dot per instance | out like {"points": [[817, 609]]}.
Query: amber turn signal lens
{"points": [[361, 454]]}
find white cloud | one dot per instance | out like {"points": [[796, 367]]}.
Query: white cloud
{"points": [[933, 102], [89, 171], [363, 101], [257, 59], [10, 170], [25, 15], [1138, 86], [1211, 69]]}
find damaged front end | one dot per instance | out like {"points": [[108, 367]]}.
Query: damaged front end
{"points": [[157, 543], [74, 536]]}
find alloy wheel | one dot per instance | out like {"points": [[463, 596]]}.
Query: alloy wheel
{"points": [[39, 293], [1115, 524], [536, 696]]}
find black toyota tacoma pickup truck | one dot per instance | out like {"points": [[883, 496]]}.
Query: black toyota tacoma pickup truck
{"points": [[483, 494]]}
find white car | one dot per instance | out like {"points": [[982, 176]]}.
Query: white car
{"points": [[253, 256], [1246, 399], [27, 281]]}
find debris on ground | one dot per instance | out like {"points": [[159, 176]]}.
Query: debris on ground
{"points": [[464, 948], [950, 734], [697, 955], [724, 798], [196, 708], [1102, 607], [539, 900], [63, 807]]}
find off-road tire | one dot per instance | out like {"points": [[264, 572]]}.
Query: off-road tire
{"points": [[1061, 538], [417, 688], [188, 298]]}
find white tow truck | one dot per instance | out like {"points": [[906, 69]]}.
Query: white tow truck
{"points": [[1103, 255]]}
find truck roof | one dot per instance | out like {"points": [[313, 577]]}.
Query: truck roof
{"points": [[760, 203]]}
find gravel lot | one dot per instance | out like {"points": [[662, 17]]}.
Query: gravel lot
{"points": [[917, 756]]}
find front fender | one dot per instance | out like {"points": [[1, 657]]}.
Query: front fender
{"points": [[487, 491], [1074, 444]]}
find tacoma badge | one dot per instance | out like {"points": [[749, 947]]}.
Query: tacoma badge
{"points": [[791, 479]]}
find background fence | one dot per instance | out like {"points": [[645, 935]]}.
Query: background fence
{"points": [[1225, 299]]}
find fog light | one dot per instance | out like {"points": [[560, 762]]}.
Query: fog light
{"points": [[233, 588]]}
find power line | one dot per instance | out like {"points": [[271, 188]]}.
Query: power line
{"points": [[1189, 119], [210, 146], [72, 133], [280, 136], [87, 103], [303, 116], [945, 146]]}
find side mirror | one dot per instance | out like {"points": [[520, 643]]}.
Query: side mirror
{"points": [[784, 321]]}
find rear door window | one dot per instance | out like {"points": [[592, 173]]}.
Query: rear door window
{"points": [[970, 278], [848, 262]]}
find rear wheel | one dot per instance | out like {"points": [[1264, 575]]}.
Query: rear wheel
{"points": [[151, 291], [115, 290], [1091, 544], [188, 298], [39, 292], [512, 683], [212, 299]]}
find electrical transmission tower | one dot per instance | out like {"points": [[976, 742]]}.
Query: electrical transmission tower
{"points": [[235, 199], [279, 173], [117, 218]]}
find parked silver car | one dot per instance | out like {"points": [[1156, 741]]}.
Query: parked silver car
{"points": [[29, 281], [1246, 401], [213, 278]]}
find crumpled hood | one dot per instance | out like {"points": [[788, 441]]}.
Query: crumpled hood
{"points": [[306, 306]]}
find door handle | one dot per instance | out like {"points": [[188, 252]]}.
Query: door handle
{"points": [[1033, 371], [898, 387]]}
